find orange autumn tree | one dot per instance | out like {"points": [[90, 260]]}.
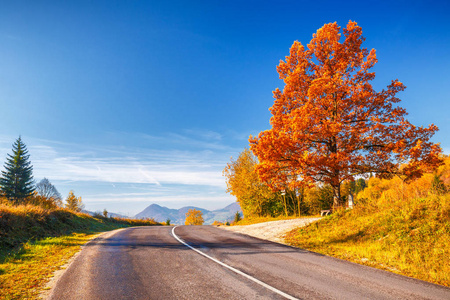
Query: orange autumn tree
{"points": [[329, 124]]}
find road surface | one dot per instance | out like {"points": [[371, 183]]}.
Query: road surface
{"points": [[162, 262]]}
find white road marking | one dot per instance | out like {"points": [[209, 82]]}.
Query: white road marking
{"points": [[287, 296]]}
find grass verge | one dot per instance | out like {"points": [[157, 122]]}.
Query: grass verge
{"points": [[410, 238], [24, 274], [35, 242]]}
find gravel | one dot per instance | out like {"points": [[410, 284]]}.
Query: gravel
{"points": [[273, 231]]}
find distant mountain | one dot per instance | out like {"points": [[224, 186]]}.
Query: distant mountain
{"points": [[161, 213], [177, 216], [222, 215], [110, 215], [114, 215]]}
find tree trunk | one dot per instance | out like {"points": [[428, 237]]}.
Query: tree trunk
{"points": [[285, 205], [337, 199], [299, 201]]}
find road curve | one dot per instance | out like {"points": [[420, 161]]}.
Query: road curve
{"points": [[150, 263]]}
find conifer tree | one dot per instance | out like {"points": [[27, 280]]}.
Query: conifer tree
{"points": [[16, 181], [237, 217]]}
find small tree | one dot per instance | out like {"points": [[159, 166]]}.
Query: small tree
{"points": [[168, 222], [194, 217], [105, 213], [254, 196], [237, 217], [47, 190], [41, 201], [74, 203], [17, 180]]}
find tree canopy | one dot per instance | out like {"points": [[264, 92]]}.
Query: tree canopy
{"points": [[74, 203], [47, 190], [244, 183], [17, 179], [194, 217], [329, 124]]}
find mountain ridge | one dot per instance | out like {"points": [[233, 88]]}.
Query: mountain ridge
{"points": [[178, 216]]}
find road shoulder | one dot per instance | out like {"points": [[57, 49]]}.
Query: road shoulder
{"points": [[49, 286], [272, 231]]}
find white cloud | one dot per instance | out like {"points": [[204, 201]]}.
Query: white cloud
{"points": [[140, 165], [137, 204], [159, 170], [204, 134], [165, 199], [176, 169]]}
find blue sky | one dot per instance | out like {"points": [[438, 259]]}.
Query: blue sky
{"points": [[130, 103]]}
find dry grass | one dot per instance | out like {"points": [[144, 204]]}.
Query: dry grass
{"points": [[34, 242], [20, 224], [409, 237]]}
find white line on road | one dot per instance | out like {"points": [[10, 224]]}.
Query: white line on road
{"points": [[233, 269]]}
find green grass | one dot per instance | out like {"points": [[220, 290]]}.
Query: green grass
{"points": [[410, 237], [35, 242], [24, 274]]}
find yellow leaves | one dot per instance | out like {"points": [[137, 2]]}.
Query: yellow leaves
{"points": [[194, 217], [74, 203], [244, 183]]}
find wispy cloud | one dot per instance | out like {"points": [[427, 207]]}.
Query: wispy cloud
{"points": [[153, 167], [175, 168], [204, 134]]}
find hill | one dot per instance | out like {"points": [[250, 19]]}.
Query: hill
{"points": [[110, 214], [26, 223], [222, 215], [177, 216], [403, 228], [35, 242]]}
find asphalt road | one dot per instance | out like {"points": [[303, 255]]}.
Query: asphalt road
{"points": [[150, 263]]}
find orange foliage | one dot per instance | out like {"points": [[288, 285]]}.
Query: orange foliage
{"points": [[329, 124]]}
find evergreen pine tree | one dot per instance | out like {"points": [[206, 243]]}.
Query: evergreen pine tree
{"points": [[16, 182], [237, 217]]}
